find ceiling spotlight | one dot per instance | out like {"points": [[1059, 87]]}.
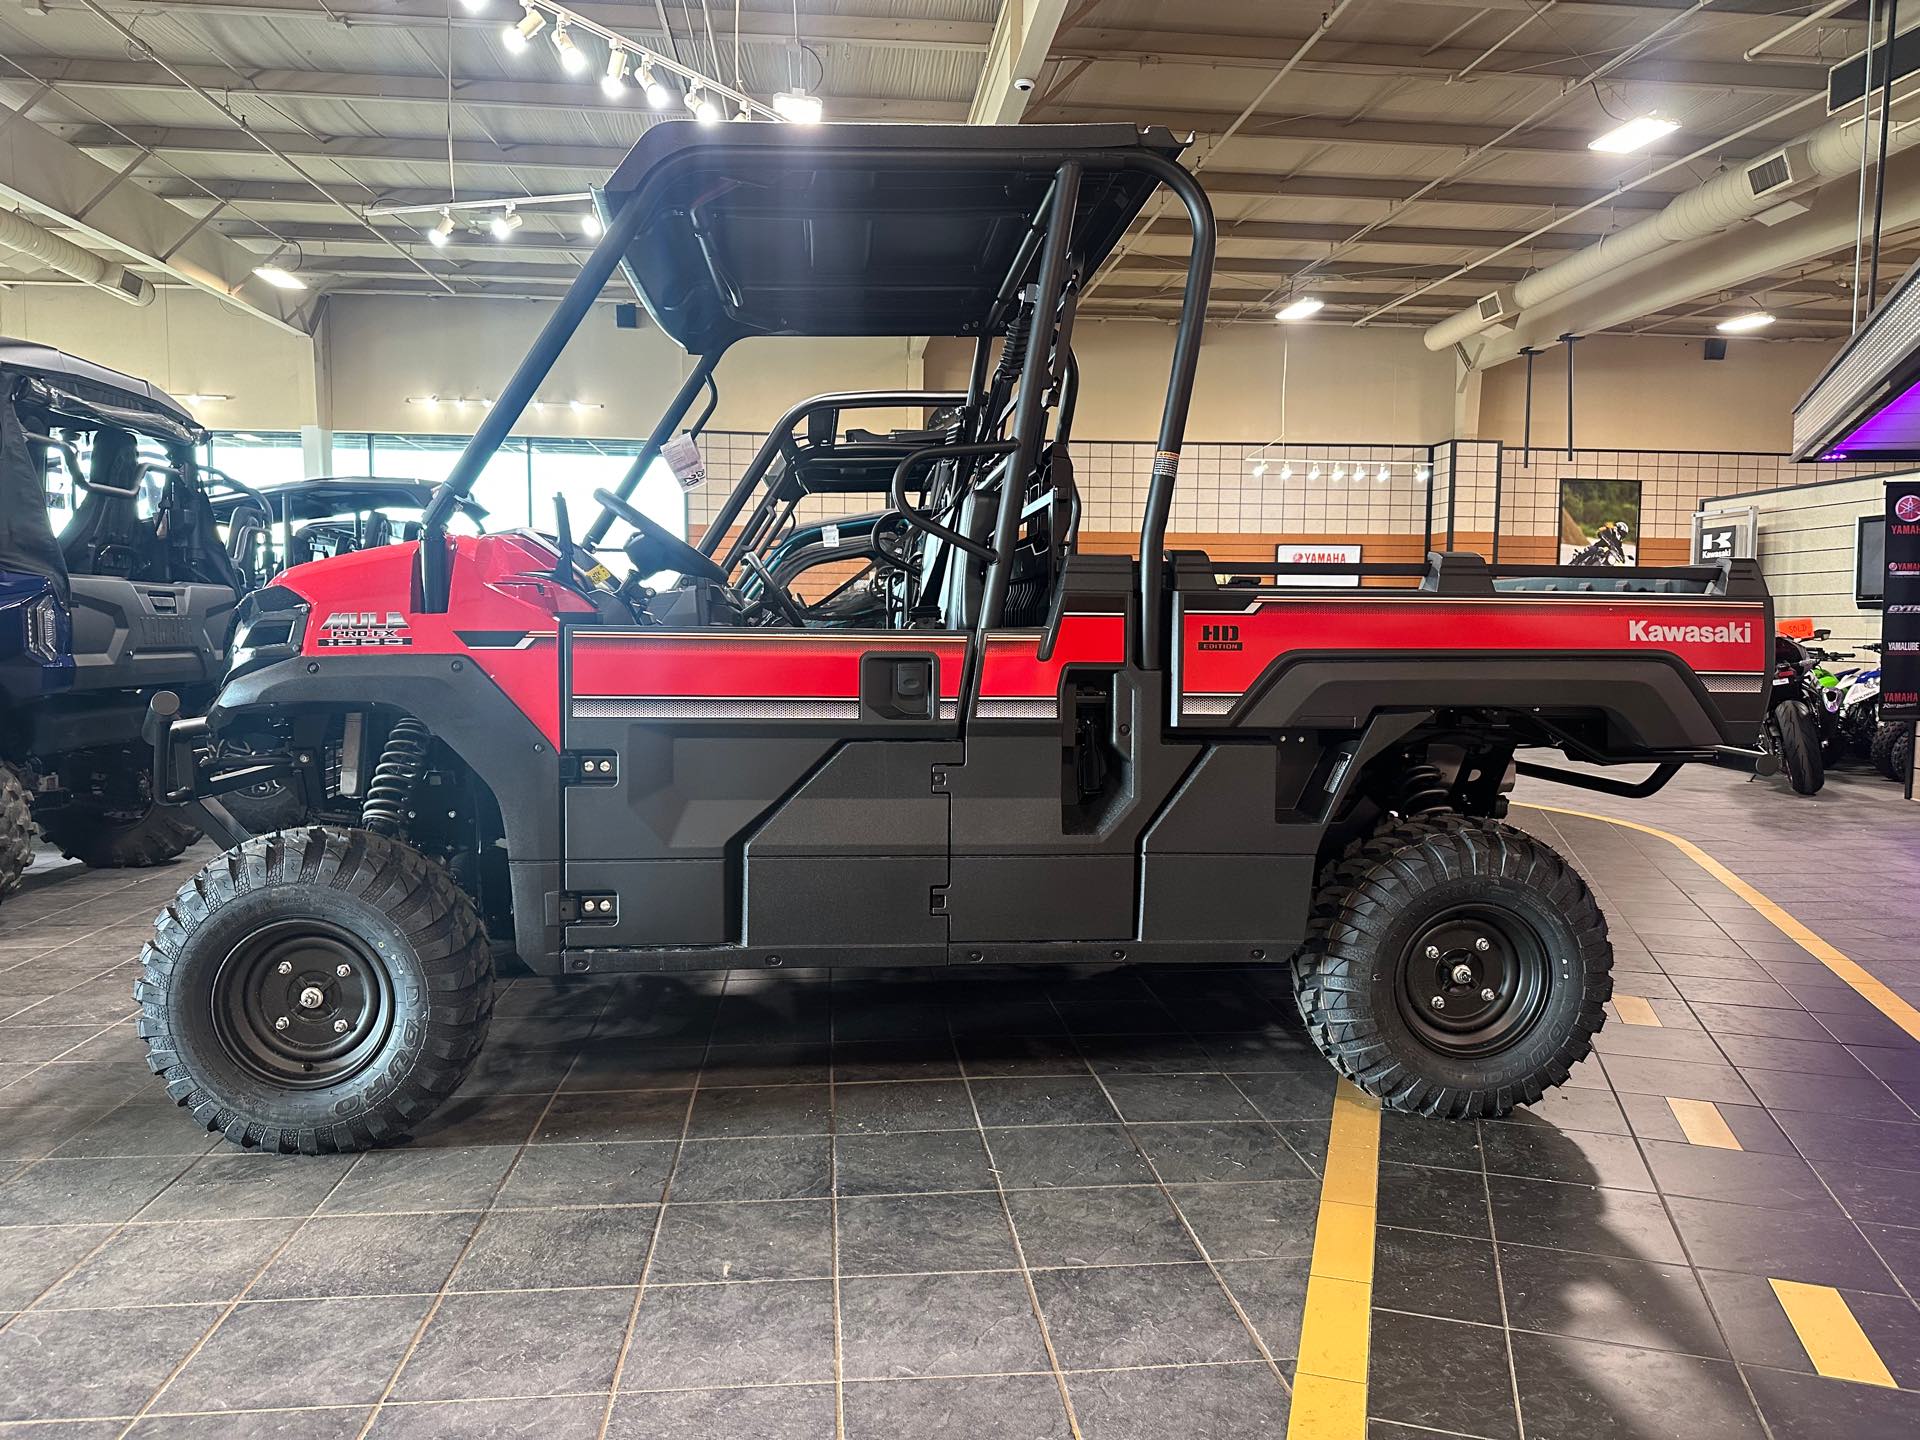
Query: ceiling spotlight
{"points": [[798, 107], [1339, 473], [1636, 134], [279, 278], [474, 7], [613, 84], [1314, 473], [516, 35], [704, 110], [1423, 474], [658, 95], [1259, 468], [427, 400], [590, 226], [1740, 324], [1300, 309], [1386, 474], [504, 224], [442, 231], [1286, 472], [573, 59]]}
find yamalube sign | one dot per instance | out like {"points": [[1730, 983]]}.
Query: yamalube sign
{"points": [[1317, 555]]}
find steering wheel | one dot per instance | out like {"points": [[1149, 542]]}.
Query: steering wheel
{"points": [[673, 553], [780, 597]]}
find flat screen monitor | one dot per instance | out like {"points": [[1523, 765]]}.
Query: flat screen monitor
{"points": [[1870, 561]]}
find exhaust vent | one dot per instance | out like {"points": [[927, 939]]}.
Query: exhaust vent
{"points": [[1774, 172], [1490, 307]]}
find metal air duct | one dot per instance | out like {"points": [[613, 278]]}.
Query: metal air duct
{"points": [[19, 233]]}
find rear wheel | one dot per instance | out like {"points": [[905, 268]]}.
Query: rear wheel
{"points": [[1900, 755], [1800, 748], [316, 990], [17, 832], [1886, 741], [1455, 967], [108, 837]]}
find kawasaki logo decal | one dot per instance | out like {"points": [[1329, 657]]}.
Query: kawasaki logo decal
{"points": [[1645, 632]]}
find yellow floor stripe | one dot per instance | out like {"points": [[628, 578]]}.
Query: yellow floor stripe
{"points": [[1634, 1010], [1870, 989], [1833, 1339], [1703, 1124], [1330, 1374]]}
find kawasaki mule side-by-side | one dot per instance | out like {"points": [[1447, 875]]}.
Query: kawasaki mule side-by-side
{"points": [[1006, 752], [134, 593]]}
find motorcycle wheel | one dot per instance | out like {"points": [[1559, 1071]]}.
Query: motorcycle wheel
{"points": [[1800, 748]]}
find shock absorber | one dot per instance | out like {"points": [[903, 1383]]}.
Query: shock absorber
{"points": [[402, 763], [1422, 790]]}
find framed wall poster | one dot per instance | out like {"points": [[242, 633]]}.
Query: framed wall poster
{"points": [[1317, 555], [1593, 509]]}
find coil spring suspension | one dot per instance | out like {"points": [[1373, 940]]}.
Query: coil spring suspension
{"points": [[1422, 791], [402, 763]]}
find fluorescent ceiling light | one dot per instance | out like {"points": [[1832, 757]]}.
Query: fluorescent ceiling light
{"points": [[799, 107], [1636, 134], [199, 397], [278, 278], [1740, 324], [1300, 309]]}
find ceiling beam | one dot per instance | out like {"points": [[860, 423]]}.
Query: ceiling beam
{"points": [[1753, 12], [97, 203], [637, 18], [1021, 39]]}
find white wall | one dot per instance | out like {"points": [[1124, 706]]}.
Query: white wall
{"points": [[186, 342]]}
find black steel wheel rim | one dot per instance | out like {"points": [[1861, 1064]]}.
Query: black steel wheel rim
{"points": [[303, 1004], [1474, 980]]}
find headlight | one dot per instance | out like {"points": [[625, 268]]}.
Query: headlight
{"points": [[44, 621]]}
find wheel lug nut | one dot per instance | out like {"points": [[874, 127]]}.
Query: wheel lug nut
{"points": [[1439, 1002], [1463, 974], [1483, 944], [343, 971], [312, 998], [1433, 952], [281, 1023], [286, 967], [339, 1027], [1487, 995]]}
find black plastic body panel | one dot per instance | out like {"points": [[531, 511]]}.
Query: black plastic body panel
{"points": [[132, 634]]}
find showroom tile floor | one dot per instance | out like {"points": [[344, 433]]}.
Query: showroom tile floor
{"points": [[1027, 1205]]}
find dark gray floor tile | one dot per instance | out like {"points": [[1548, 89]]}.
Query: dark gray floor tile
{"points": [[1655, 1042], [34, 1257], [1440, 1373], [77, 1192], [298, 1352], [1415, 1197], [1270, 1049], [1579, 1157], [1603, 1297], [228, 1185], [1740, 1177], [1571, 1109], [1218, 1151], [1840, 1137], [1140, 1315], [175, 1263], [28, 1132], [988, 1054], [1006, 1407], [1272, 1294], [477, 1119], [1861, 1097], [56, 1364], [1424, 1273], [1585, 1390], [1267, 1220], [767, 1412], [880, 1107], [1807, 1407], [1294, 1094], [769, 1333], [922, 1059], [762, 1110], [1581, 1217], [911, 1163], [1111, 1225], [901, 1326], [1067, 1155], [1760, 1022], [772, 1240], [1417, 1140], [1150, 1098], [1757, 1131], [1805, 1057], [367, 1255], [628, 1173], [614, 1115], [542, 1249], [791, 1167], [571, 1417], [141, 1128], [1780, 1243], [1045, 1100], [624, 1064], [1632, 1074], [341, 1422], [1211, 1402], [908, 1234], [1145, 1054], [1872, 1195], [517, 1343], [405, 1180]]}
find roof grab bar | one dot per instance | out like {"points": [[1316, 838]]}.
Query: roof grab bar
{"points": [[897, 492]]}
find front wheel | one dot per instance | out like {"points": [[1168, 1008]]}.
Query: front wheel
{"points": [[1454, 967], [1800, 747], [17, 833], [315, 991]]}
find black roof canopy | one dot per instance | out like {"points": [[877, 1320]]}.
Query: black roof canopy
{"points": [[85, 394], [856, 229]]}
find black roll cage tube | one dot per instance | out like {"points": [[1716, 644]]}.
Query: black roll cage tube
{"points": [[1051, 247]]}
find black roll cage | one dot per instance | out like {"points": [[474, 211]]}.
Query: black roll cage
{"points": [[1043, 253]]}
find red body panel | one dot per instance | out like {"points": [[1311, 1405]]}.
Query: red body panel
{"points": [[1224, 652]]}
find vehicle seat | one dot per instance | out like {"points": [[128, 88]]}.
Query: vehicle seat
{"points": [[107, 536], [378, 532]]}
